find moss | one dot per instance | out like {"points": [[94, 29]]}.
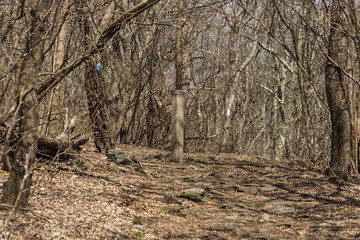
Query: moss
{"points": [[139, 234], [139, 221], [191, 196]]}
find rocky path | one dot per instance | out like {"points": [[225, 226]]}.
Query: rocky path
{"points": [[207, 197]]}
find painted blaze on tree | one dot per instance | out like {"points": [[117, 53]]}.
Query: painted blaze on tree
{"points": [[28, 92]]}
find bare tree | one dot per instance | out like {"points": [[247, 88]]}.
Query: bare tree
{"points": [[337, 92], [17, 189], [39, 40]]}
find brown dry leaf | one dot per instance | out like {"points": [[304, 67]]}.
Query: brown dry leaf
{"points": [[103, 201]]}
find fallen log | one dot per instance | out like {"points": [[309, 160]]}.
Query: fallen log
{"points": [[48, 148], [64, 148]]}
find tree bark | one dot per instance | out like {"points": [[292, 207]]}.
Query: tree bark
{"points": [[50, 126], [336, 90], [96, 99], [65, 148], [95, 93], [17, 188], [356, 112]]}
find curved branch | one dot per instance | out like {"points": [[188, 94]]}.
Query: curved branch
{"points": [[105, 36]]}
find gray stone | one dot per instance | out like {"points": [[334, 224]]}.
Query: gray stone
{"points": [[267, 188], [223, 228], [248, 190], [245, 211], [251, 188], [302, 232], [279, 207], [338, 223], [195, 168], [170, 198], [122, 159], [265, 217], [312, 203], [192, 178], [218, 193], [173, 210], [181, 223], [194, 194]]}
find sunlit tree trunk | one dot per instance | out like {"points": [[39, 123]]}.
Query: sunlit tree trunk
{"points": [[59, 55], [336, 90]]}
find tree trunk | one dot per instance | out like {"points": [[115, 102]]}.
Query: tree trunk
{"points": [[96, 100], [95, 92], [177, 141], [356, 102], [336, 90], [63, 148], [15, 41], [305, 118], [17, 188], [54, 117]]}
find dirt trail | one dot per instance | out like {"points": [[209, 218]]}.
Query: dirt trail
{"points": [[244, 198]]}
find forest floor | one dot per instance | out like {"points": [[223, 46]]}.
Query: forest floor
{"points": [[244, 198]]}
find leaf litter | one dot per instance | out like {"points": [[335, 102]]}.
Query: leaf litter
{"points": [[244, 198]]}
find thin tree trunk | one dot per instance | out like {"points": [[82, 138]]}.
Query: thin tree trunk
{"points": [[336, 90], [17, 189], [52, 127], [15, 40], [305, 119]]}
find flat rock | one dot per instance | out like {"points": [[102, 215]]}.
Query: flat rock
{"points": [[195, 168], [251, 188], [267, 188], [193, 194], [248, 189], [279, 207], [312, 203], [224, 228], [265, 217], [192, 178]]}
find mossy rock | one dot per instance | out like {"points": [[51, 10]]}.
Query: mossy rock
{"points": [[194, 194], [170, 198], [139, 221], [122, 159], [78, 164]]}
